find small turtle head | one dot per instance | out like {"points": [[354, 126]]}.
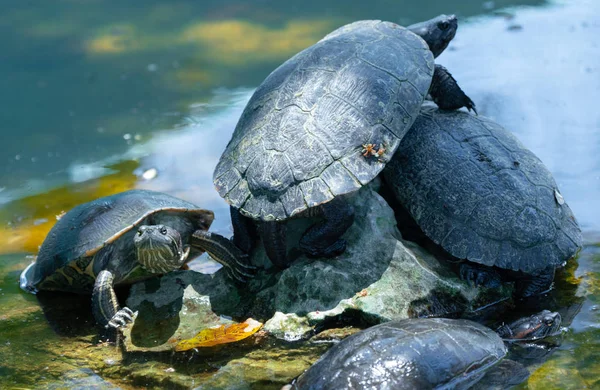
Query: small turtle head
{"points": [[437, 32], [537, 326], [159, 248]]}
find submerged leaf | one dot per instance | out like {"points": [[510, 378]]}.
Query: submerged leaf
{"points": [[221, 335]]}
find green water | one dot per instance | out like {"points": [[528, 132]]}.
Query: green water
{"points": [[96, 92]]}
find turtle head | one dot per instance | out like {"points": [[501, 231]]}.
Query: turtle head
{"points": [[537, 326], [437, 32], [159, 248]]}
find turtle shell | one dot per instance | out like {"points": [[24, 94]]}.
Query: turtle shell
{"points": [[473, 188], [419, 353], [86, 229], [299, 141]]}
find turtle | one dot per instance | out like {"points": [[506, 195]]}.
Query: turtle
{"points": [[423, 353], [324, 124], [124, 238], [475, 190]]}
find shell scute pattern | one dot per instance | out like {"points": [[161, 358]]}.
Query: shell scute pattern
{"points": [[360, 32], [306, 158], [66, 254], [298, 142], [408, 354], [458, 179]]}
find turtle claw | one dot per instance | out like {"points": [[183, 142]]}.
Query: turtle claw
{"points": [[470, 105], [476, 276], [121, 318]]}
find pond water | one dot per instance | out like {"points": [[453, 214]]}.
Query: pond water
{"points": [[99, 94]]}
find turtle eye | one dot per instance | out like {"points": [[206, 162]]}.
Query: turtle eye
{"points": [[443, 26], [139, 233], [163, 230]]}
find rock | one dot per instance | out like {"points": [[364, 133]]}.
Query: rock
{"points": [[319, 284], [164, 319], [334, 335], [269, 368], [81, 379], [379, 278], [166, 293], [289, 327]]}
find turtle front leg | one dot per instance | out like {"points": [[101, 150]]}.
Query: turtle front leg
{"points": [[274, 238], [477, 276], [236, 263], [323, 239], [535, 284], [244, 232], [446, 93], [105, 305]]}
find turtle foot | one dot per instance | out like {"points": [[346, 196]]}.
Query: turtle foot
{"points": [[335, 249], [446, 92], [537, 285], [121, 318], [479, 276]]}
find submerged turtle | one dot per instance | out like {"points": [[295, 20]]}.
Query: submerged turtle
{"points": [[121, 239], [474, 189], [324, 124], [422, 353]]}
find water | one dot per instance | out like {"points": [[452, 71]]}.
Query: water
{"points": [[95, 93]]}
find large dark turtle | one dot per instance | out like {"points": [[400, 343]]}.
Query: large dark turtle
{"points": [[474, 189], [324, 123], [421, 353], [121, 239]]}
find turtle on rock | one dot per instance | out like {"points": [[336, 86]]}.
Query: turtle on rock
{"points": [[476, 191], [425, 353], [124, 238], [324, 124]]}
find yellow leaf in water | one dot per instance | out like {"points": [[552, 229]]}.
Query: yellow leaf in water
{"points": [[222, 335]]}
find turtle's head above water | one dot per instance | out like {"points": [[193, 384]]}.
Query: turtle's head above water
{"points": [[159, 248], [437, 32], [537, 326]]}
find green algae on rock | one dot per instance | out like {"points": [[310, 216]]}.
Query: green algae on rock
{"points": [[379, 278], [165, 321]]}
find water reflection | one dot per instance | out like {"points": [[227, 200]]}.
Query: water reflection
{"points": [[541, 82], [91, 121], [78, 76]]}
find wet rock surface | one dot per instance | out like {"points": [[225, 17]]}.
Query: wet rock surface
{"points": [[379, 278], [160, 323], [553, 118]]}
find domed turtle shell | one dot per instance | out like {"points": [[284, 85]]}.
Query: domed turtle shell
{"points": [[86, 229], [298, 142], [474, 189], [419, 353]]}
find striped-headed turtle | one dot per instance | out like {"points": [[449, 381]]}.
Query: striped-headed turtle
{"points": [[422, 353], [324, 124], [124, 238], [474, 189]]}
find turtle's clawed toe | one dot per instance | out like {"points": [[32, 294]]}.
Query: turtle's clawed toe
{"points": [[478, 276], [470, 105], [121, 318]]}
